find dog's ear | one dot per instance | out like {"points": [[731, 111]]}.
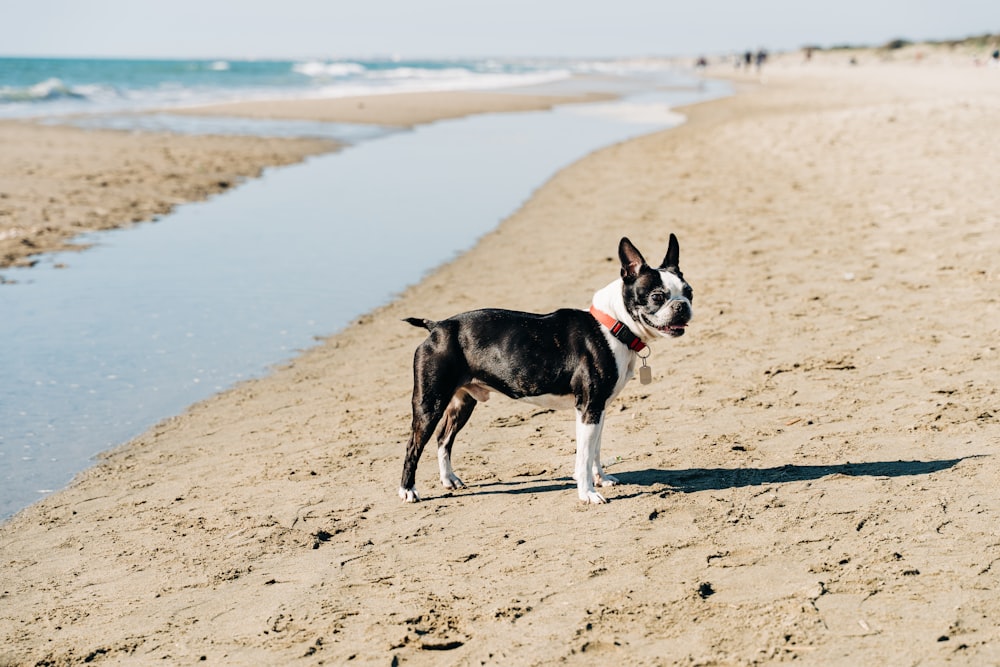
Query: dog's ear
{"points": [[631, 259], [673, 257]]}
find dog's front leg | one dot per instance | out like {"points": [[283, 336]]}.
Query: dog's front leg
{"points": [[589, 424], [602, 478]]}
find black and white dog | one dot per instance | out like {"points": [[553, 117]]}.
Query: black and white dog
{"points": [[566, 359]]}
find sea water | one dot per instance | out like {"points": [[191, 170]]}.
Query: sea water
{"points": [[156, 317], [31, 87]]}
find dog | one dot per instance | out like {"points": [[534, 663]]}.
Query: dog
{"points": [[567, 359]]}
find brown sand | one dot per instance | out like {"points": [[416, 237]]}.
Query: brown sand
{"points": [[811, 475]]}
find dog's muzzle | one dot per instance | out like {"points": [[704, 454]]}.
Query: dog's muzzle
{"points": [[680, 315]]}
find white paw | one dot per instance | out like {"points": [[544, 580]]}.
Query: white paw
{"points": [[605, 480], [452, 482], [592, 498], [408, 495]]}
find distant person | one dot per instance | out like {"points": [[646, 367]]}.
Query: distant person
{"points": [[748, 59], [996, 57], [760, 59], [701, 63]]}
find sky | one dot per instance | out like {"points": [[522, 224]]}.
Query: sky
{"points": [[456, 28]]}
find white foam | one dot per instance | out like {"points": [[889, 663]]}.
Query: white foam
{"points": [[49, 89], [315, 68]]}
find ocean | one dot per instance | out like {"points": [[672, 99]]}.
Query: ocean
{"points": [[33, 87]]}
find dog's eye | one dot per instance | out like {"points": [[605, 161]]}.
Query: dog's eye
{"points": [[658, 298]]}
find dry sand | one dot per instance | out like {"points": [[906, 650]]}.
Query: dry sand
{"points": [[811, 476]]}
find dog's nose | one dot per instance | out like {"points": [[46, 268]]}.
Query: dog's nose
{"points": [[680, 308]]}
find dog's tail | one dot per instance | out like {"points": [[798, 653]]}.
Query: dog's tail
{"points": [[421, 322]]}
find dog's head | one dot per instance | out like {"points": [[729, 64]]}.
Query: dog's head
{"points": [[659, 300]]}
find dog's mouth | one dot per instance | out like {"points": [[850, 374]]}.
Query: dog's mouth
{"points": [[673, 330]]}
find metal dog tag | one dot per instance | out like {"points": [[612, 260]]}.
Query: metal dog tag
{"points": [[645, 373]]}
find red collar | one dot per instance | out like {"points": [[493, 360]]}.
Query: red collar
{"points": [[618, 330]]}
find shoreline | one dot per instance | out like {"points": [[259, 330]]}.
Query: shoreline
{"points": [[815, 408], [57, 182]]}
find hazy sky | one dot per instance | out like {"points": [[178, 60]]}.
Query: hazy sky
{"points": [[445, 28]]}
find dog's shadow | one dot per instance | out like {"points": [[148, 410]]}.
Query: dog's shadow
{"points": [[693, 480]]}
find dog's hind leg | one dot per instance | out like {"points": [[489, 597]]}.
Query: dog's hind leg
{"points": [[421, 432], [456, 415], [426, 415], [436, 378]]}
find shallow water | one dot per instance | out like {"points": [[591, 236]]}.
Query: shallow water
{"points": [[156, 317]]}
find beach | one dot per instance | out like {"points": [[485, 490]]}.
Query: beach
{"points": [[810, 476]]}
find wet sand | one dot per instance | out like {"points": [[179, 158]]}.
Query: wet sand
{"points": [[400, 109], [810, 476]]}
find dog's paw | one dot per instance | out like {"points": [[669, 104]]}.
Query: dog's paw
{"points": [[452, 482], [408, 495], [592, 498], [605, 480]]}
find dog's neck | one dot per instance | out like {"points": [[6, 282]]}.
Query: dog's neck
{"points": [[609, 300]]}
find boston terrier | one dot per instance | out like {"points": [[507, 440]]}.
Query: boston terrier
{"points": [[567, 359]]}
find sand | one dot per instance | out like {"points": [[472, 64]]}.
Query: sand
{"points": [[809, 477]]}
